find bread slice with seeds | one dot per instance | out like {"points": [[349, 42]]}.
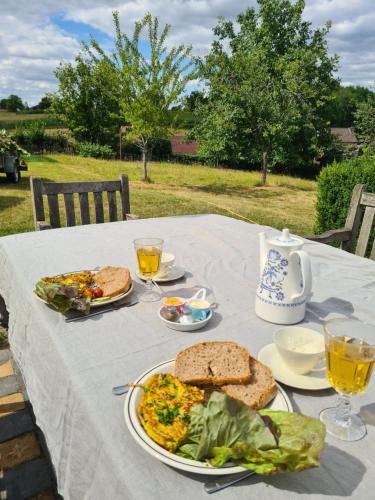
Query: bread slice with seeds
{"points": [[216, 363], [259, 391]]}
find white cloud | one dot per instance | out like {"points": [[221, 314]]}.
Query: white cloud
{"points": [[31, 45]]}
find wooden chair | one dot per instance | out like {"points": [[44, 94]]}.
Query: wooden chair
{"points": [[361, 201], [68, 189]]}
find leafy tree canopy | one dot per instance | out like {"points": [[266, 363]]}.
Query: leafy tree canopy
{"points": [[365, 123], [85, 102], [12, 103], [268, 83], [342, 108], [105, 90]]}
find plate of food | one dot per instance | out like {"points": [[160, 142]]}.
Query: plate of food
{"points": [[81, 290], [215, 410]]}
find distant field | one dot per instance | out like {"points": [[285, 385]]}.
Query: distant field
{"points": [[175, 190], [8, 116], [10, 120]]}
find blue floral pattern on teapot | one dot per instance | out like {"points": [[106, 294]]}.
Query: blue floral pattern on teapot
{"points": [[273, 276]]}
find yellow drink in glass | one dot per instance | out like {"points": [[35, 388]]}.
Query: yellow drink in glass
{"points": [[148, 252], [148, 260], [350, 361], [349, 368]]}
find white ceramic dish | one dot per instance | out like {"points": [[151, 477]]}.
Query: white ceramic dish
{"points": [[174, 274], [184, 327], [94, 304], [313, 381], [281, 402]]}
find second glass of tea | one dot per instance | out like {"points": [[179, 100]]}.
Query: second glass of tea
{"points": [[149, 252], [350, 354]]}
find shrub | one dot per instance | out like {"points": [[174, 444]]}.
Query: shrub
{"points": [[88, 149], [335, 186], [34, 138]]}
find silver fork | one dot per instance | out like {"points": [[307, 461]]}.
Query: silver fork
{"points": [[224, 482], [113, 307]]}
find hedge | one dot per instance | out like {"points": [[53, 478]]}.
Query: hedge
{"points": [[335, 186], [92, 150]]}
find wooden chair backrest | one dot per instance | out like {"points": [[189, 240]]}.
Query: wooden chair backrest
{"points": [[357, 221], [52, 189]]}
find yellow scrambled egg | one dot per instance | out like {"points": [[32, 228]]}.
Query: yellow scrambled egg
{"points": [[83, 279], [164, 410]]}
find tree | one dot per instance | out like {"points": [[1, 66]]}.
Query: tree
{"points": [[365, 123], [147, 87], [12, 103], [45, 102], [193, 99], [268, 83], [85, 102], [341, 109]]}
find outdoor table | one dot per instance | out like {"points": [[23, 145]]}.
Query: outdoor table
{"points": [[70, 368]]}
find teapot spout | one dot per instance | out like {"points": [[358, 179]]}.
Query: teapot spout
{"points": [[262, 251]]}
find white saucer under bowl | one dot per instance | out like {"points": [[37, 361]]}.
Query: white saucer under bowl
{"points": [[174, 274], [313, 381]]}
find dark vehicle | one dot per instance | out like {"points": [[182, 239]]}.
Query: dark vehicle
{"points": [[11, 166]]}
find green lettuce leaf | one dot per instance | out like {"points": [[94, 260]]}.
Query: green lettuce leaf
{"points": [[62, 297], [229, 431], [224, 422]]}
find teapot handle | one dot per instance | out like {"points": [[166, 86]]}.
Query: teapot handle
{"points": [[306, 273]]}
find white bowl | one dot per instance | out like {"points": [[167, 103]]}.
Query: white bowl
{"points": [[166, 264], [184, 327], [300, 348]]}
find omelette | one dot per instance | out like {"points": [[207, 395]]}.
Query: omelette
{"points": [[164, 410], [83, 279]]}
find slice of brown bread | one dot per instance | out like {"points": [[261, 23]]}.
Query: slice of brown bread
{"points": [[215, 363], [113, 280], [259, 391]]}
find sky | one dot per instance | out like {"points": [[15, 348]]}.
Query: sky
{"points": [[35, 35]]}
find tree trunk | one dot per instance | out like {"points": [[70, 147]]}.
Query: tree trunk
{"points": [[144, 161], [264, 167]]}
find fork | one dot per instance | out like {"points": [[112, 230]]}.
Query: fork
{"points": [[224, 482], [113, 307]]}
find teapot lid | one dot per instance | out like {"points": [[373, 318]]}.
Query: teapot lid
{"points": [[285, 239]]}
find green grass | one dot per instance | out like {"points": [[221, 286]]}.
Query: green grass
{"points": [[175, 190]]}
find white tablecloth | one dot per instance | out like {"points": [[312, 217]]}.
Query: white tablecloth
{"points": [[69, 369]]}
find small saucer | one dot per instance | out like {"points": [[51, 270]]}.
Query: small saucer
{"points": [[313, 381], [175, 273]]}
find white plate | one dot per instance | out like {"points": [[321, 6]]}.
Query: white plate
{"points": [[281, 402], [313, 381], [94, 304], [174, 274], [185, 327]]}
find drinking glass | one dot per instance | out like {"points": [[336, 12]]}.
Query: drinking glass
{"points": [[350, 355], [149, 252]]}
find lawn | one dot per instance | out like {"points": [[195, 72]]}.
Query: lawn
{"points": [[175, 190]]}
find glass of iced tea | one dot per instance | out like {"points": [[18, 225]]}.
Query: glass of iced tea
{"points": [[350, 355], [149, 252]]}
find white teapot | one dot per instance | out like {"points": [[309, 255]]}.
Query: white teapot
{"points": [[285, 279]]}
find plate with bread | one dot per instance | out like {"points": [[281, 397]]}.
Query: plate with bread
{"points": [[82, 290], [216, 410]]}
